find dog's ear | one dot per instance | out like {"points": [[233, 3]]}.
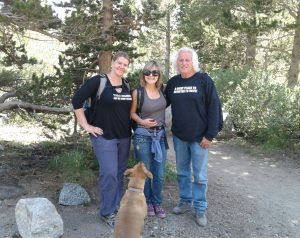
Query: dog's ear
{"points": [[128, 172], [149, 174]]}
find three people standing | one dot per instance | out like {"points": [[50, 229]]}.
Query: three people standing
{"points": [[195, 122]]}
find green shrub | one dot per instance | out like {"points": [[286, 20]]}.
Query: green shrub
{"points": [[75, 166], [170, 172], [131, 161], [266, 111], [226, 81], [134, 79]]}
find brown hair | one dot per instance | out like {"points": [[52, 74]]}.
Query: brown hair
{"points": [[148, 65], [120, 54]]}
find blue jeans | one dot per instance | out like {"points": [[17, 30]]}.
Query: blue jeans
{"points": [[142, 147], [112, 156], [191, 160]]}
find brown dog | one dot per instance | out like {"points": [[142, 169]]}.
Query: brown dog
{"points": [[133, 207]]}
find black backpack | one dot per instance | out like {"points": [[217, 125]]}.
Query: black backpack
{"points": [[89, 105], [203, 85]]}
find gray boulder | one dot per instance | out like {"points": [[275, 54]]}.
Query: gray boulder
{"points": [[38, 218], [73, 194]]}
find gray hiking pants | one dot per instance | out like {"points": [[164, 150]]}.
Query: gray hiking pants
{"points": [[112, 156]]}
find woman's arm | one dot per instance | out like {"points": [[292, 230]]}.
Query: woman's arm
{"points": [[84, 124]]}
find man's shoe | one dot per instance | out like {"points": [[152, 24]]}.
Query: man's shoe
{"points": [[109, 219], [182, 208], [159, 211], [201, 220], [150, 210]]}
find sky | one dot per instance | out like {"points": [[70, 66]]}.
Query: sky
{"points": [[60, 11]]}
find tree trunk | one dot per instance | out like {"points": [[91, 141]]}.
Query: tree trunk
{"points": [[251, 41], [104, 57], [168, 46], [251, 50], [294, 70]]}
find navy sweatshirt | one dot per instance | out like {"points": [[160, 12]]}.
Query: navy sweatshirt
{"points": [[195, 107], [112, 110]]}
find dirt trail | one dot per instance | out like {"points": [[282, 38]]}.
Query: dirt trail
{"points": [[249, 195]]}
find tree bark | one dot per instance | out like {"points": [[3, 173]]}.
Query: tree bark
{"points": [[7, 95], [251, 41], [104, 57], [168, 46], [294, 70], [251, 51]]}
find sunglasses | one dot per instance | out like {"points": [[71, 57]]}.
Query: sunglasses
{"points": [[147, 72]]}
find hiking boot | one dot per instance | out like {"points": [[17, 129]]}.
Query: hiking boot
{"points": [[201, 220], [159, 211], [109, 219], [150, 210], [182, 208]]}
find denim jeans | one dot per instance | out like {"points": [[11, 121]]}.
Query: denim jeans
{"points": [[191, 160], [112, 156], [142, 147]]}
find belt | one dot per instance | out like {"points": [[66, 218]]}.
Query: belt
{"points": [[154, 128], [158, 128]]}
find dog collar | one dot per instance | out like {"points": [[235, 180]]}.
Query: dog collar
{"points": [[135, 190]]}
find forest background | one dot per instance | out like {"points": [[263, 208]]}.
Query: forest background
{"points": [[251, 48]]}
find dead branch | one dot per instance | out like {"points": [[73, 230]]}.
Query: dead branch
{"points": [[32, 107], [7, 95]]}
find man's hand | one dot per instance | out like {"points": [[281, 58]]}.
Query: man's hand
{"points": [[205, 143]]}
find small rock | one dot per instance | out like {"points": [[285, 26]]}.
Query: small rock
{"points": [[73, 194]]}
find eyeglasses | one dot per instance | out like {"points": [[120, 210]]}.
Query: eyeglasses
{"points": [[147, 72]]}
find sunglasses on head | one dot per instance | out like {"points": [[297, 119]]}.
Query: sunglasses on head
{"points": [[147, 72]]}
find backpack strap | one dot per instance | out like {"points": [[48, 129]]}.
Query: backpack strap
{"points": [[102, 85], [140, 99], [126, 83]]}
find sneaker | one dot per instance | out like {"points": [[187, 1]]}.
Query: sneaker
{"points": [[109, 219], [182, 208], [150, 210], [201, 220], [159, 211]]}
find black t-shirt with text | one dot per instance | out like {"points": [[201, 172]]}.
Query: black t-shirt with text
{"points": [[112, 110], [195, 107]]}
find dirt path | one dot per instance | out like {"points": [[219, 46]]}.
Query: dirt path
{"points": [[249, 196]]}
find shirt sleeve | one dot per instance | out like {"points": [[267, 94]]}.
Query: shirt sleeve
{"points": [[212, 104], [88, 89]]}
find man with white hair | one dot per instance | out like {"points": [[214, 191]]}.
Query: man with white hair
{"points": [[195, 122]]}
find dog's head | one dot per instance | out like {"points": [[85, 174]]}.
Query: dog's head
{"points": [[137, 175]]}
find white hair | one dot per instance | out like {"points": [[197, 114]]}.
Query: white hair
{"points": [[195, 60]]}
